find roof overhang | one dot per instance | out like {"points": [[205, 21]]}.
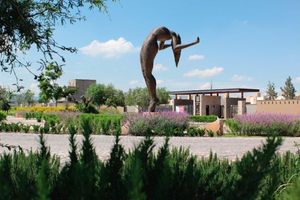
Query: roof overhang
{"points": [[214, 91]]}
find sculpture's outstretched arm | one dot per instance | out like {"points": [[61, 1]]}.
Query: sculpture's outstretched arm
{"points": [[178, 47], [163, 46]]}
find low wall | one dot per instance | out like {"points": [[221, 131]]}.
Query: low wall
{"points": [[216, 126], [278, 106]]}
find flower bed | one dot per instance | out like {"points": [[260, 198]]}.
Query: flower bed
{"points": [[160, 123], [156, 124], [45, 108], [264, 124]]}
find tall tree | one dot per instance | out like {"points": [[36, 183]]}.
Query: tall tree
{"points": [[57, 93], [47, 80], [288, 91], [271, 93], [29, 97], [101, 94], [27, 24], [140, 96], [137, 96], [48, 86]]}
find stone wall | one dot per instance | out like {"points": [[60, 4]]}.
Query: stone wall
{"points": [[216, 126]]}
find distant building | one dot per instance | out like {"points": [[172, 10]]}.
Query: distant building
{"points": [[279, 98], [252, 99], [210, 102], [81, 85]]}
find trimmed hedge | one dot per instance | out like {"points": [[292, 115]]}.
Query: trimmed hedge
{"points": [[103, 124], [203, 118]]}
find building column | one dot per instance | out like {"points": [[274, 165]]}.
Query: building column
{"points": [[201, 105], [194, 105], [174, 106], [226, 106], [241, 107]]}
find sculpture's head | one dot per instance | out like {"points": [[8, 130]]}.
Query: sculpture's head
{"points": [[178, 52]]}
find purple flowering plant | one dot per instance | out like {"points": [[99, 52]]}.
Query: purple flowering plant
{"points": [[266, 123], [267, 119], [159, 123]]}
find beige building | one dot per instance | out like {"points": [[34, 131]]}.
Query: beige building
{"points": [[81, 85], [211, 102]]}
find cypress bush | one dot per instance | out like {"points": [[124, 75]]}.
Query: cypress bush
{"points": [[147, 172]]}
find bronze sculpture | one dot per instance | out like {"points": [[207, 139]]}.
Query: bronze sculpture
{"points": [[149, 51]]}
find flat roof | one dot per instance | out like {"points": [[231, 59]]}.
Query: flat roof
{"points": [[214, 91]]}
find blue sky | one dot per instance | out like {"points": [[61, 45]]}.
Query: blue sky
{"points": [[243, 44]]}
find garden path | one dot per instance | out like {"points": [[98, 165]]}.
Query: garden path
{"points": [[225, 147]]}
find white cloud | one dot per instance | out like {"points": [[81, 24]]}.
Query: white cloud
{"points": [[160, 67], [196, 57], [204, 73], [109, 49], [133, 82], [237, 77], [297, 79]]}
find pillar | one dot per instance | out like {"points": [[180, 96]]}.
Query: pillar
{"points": [[241, 107]]}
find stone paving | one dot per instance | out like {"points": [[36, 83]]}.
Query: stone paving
{"points": [[225, 147], [11, 119]]}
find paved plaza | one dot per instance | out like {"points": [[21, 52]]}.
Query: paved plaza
{"points": [[225, 147]]}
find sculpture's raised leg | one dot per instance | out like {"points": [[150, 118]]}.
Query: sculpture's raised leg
{"points": [[151, 85]]}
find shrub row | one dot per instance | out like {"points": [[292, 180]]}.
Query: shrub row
{"points": [[204, 118], [19, 127], [160, 124], [193, 131], [144, 174], [103, 124], [278, 128], [51, 119]]}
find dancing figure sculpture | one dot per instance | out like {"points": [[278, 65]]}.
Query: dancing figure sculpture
{"points": [[149, 51]]}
